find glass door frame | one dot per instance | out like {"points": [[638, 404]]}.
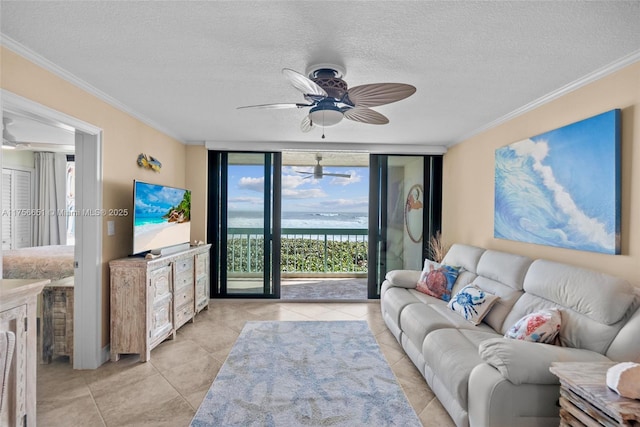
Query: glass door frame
{"points": [[217, 212], [378, 200]]}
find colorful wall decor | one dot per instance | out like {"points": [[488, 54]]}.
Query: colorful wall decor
{"points": [[413, 213], [149, 162], [562, 188]]}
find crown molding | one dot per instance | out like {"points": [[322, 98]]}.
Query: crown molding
{"points": [[564, 90], [43, 62], [416, 149]]}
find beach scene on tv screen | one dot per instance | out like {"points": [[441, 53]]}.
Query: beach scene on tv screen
{"points": [[162, 216]]}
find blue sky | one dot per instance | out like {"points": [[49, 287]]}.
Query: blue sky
{"points": [[300, 194], [156, 200]]}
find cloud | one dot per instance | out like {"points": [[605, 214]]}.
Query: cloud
{"points": [[303, 193], [293, 181], [346, 181], [253, 184]]}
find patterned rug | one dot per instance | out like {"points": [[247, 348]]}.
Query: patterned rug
{"points": [[305, 374]]}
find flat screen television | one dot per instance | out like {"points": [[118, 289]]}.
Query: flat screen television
{"points": [[161, 216]]}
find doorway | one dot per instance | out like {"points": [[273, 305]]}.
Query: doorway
{"points": [[88, 351], [316, 225]]}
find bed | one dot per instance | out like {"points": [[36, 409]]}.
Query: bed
{"points": [[40, 262]]}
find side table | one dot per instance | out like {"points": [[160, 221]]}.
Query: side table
{"points": [[585, 399]]}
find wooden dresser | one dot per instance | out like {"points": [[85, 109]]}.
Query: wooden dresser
{"points": [[585, 399], [18, 313], [152, 298]]}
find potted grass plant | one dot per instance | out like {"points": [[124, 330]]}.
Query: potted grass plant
{"points": [[436, 249]]}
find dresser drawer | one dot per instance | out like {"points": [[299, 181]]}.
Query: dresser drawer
{"points": [[183, 265], [183, 295], [183, 314], [183, 280]]}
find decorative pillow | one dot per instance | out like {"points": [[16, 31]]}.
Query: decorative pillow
{"points": [[472, 303], [542, 326], [437, 280]]}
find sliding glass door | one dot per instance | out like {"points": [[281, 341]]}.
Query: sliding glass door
{"points": [[247, 248], [404, 211]]}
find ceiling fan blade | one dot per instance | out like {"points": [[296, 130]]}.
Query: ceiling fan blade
{"points": [[375, 94], [366, 115], [303, 84], [306, 124], [276, 106], [341, 175]]}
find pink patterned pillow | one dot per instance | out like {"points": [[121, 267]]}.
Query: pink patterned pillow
{"points": [[542, 326]]}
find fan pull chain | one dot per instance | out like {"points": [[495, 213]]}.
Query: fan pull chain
{"points": [[322, 124]]}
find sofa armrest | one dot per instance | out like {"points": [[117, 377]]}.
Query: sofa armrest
{"points": [[524, 362], [403, 278]]}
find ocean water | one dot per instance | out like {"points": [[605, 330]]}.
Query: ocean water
{"points": [[303, 219]]}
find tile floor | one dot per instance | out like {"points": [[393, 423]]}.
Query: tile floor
{"points": [[167, 390]]}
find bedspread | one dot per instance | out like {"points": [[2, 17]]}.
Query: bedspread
{"points": [[40, 262]]}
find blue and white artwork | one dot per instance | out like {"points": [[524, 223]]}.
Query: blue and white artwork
{"points": [[562, 188]]}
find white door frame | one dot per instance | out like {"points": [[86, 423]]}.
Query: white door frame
{"points": [[87, 343]]}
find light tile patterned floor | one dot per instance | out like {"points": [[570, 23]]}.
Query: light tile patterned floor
{"points": [[167, 390]]}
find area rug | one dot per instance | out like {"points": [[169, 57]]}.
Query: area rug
{"points": [[335, 289], [305, 374]]}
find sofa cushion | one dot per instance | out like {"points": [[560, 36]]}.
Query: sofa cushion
{"points": [[464, 256], [501, 274], [403, 278], [395, 300], [452, 354], [626, 345], [581, 290], [418, 320], [541, 326], [577, 330], [472, 303], [524, 362], [437, 280], [505, 268]]}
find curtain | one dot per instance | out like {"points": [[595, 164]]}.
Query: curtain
{"points": [[49, 226]]}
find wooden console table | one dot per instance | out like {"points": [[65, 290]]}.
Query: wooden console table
{"points": [[151, 299], [585, 399]]}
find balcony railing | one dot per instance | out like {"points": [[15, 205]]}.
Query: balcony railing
{"points": [[305, 251]]}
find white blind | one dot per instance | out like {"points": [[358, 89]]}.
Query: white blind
{"points": [[16, 198], [7, 178], [22, 200]]}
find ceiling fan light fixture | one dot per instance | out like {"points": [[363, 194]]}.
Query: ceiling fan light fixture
{"points": [[325, 116]]}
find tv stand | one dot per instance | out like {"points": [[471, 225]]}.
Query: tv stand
{"points": [[171, 249], [152, 298]]}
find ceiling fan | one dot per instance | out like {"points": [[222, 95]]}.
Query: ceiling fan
{"points": [[318, 173], [330, 99], [8, 140]]}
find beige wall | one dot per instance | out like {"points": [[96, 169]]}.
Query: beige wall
{"points": [[468, 192], [197, 156], [124, 138]]}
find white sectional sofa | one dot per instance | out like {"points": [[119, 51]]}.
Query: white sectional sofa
{"points": [[484, 379]]}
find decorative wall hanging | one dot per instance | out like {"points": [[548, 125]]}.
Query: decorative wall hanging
{"points": [[413, 214], [562, 188], [149, 162]]}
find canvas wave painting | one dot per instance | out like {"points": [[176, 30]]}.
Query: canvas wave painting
{"points": [[562, 188]]}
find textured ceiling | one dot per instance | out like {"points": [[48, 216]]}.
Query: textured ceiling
{"points": [[185, 66]]}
